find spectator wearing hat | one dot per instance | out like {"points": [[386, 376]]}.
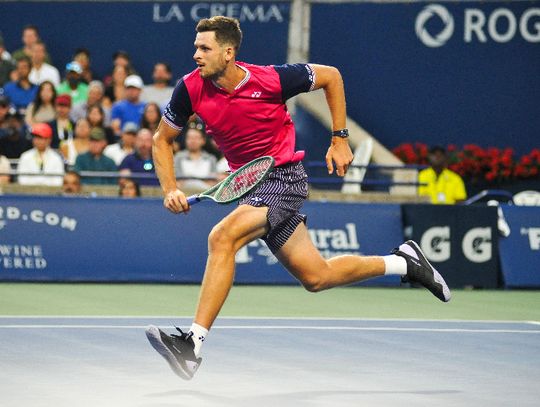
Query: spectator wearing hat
{"points": [[118, 151], [441, 185], [6, 64], [30, 36], [94, 160], [160, 91], [73, 85], [41, 70], [131, 108], [13, 137], [41, 160], [62, 125], [21, 92], [140, 161]]}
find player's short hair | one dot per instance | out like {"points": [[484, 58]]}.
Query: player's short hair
{"points": [[227, 30]]}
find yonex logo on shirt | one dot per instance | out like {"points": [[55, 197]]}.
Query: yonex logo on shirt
{"points": [[256, 94]]}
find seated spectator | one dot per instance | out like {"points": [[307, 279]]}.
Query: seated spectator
{"points": [[129, 188], [30, 36], [82, 57], [118, 151], [94, 160], [151, 117], [160, 91], [95, 97], [42, 110], [21, 92], [13, 137], [6, 64], [41, 70], [41, 160], [115, 90], [131, 108], [443, 186], [96, 118], [78, 144], [194, 162], [140, 161], [73, 85], [120, 58], [62, 125], [71, 184]]}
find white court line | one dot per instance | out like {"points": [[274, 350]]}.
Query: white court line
{"points": [[289, 327], [264, 318]]}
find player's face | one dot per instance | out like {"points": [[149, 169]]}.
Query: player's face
{"points": [[210, 57]]}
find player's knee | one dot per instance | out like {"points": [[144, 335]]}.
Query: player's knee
{"points": [[220, 238]]}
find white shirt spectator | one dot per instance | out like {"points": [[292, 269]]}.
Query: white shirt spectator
{"points": [[161, 96], [204, 167], [116, 153], [32, 163], [45, 73]]}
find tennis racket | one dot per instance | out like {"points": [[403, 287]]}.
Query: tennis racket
{"points": [[239, 183]]}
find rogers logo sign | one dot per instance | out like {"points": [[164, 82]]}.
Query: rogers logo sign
{"points": [[500, 25]]}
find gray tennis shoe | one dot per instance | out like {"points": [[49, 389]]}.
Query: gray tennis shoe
{"points": [[419, 270], [177, 350]]}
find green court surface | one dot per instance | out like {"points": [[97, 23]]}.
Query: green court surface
{"points": [[266, 301]]}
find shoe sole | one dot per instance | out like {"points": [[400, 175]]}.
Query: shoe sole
{"points": [[154, 337], [436, 275]]}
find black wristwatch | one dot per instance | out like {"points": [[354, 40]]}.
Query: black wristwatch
{"points": [[344, 133]]}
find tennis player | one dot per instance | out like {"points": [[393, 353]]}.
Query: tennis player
{"points": [[243, 106]]}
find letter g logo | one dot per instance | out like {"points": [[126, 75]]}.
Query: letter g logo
{"points": [[424, 16], [435, 243]]}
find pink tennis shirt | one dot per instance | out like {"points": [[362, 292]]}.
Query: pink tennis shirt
{"points": [[250, 122]]}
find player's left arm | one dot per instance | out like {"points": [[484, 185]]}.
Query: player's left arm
{"points": [[329, 79]]}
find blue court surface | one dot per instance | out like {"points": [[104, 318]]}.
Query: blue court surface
{"points": [[98, 361]]}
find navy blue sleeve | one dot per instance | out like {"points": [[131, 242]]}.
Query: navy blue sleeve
{"points": [[295, 79], [178, 110]]}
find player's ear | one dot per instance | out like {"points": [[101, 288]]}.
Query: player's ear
{"points": [[229, 53]]}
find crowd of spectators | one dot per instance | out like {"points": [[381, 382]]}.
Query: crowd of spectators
{"points": [[58, 122]]}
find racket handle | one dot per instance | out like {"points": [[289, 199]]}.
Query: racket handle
{"points": [[193, 199]]}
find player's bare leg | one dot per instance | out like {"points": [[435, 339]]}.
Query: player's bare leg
{"points": [[304, 261], [300, 256], [244, 224], [240, 227]]}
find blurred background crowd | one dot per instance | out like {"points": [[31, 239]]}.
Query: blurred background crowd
{"points": [[58, 122]]}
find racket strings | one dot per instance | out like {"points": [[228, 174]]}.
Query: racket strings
{"points": [[244, 179]]}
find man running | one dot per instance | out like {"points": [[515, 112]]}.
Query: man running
{"points": [[243, 107]]}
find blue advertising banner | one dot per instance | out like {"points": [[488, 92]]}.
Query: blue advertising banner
{"points": [[459, 241], [520, 251], [439, 73], [85, 239], [150, 31]]}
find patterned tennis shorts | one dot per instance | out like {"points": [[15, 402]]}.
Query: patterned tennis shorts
{"points": [[284, 193]]}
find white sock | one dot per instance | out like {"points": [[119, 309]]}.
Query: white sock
{"points": [[199, 334], [394, 265]]}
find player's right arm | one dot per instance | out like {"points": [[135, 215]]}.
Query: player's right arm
{"points": [[175, 116], [162, 152]]}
